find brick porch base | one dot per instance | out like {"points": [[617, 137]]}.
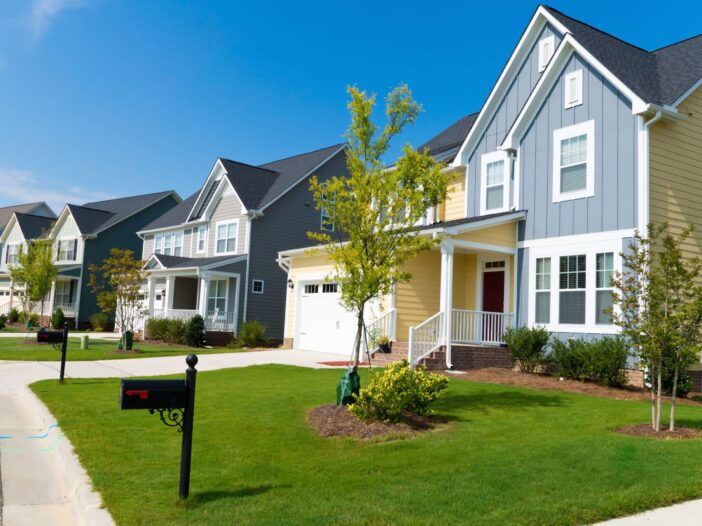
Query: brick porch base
{"points": [[464, 357]]}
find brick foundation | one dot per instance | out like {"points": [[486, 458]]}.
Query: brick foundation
{"points": [[464, 357], [287, 343], [634, 377]]}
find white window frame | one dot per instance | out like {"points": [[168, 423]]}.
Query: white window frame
{"points": [[610, 288], [545, 290], [158, 244], [584, 128], [177, 243], [543, 60], [201, 236], [590, 245], [63, 290], [485, 160], [225, 297], [236, 238], [72, 242], [577, 77], [12, 257], [253, 286]]}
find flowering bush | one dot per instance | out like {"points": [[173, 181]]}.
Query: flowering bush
{"points": [[396, 390]]}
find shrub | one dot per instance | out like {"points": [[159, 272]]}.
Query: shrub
{"points": [[607, 360], [251, 333], [13, 315], [528, 346], [3, 321], [58, 319], [570, 358], [34, 319], [23, 317], [99, 321], [195, 331], [168, 330], [685, 383], [395, 390]]}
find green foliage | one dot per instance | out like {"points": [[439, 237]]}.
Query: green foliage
{"points": [[528, 346], [117, 287], [659, 300], [601, 360], [3, 321], [396, 390], [251, 334], [58, 319], [22, 317], [166, 329], [377, 209], [13, 315], [685, 383], [33, 319], [36, 272], [195, 331], [99, 321]]}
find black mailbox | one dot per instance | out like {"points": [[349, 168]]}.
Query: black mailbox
{"points": [[50, 336], [152, 394]]}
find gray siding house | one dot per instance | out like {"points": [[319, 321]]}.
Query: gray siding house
{"points": [[215, 253]]}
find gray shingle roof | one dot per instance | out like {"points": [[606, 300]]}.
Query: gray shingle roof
{"points": [[7, 211], [466, 220], [657, 77], [250, 182], [98, 215], [176, 215], [181, 262], [451, 137], [34, 227]]}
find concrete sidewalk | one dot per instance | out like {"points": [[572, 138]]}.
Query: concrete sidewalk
{"points": [[683, 514], [41, 480]]}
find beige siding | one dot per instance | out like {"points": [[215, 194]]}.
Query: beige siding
{"points": [[148, 247], [455, 205], [228, 208], [503, 235], [676, 173], [419, 299]]}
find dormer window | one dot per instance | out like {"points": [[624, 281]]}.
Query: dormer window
{"points": [[573, 89], [546, 48]]}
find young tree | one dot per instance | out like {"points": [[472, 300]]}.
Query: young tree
{"points": [[35, 272], [660, 307], [373, 211], [116, 285]]}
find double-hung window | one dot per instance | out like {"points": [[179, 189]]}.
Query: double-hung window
{"points": [[543, 291], [217, 296], [227, 237], [572, 285], [201, 239], [603, 288], [167, 244], [158, 245], [63, 293], [178, 244], [67, 249], [12, 254], [574, 162], [495, 176]]}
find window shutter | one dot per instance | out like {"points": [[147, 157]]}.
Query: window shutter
{"points": [[75, 249], [70, 291]]}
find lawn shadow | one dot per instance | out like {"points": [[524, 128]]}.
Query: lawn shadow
{"points": [[252, 491], [485, 401]]}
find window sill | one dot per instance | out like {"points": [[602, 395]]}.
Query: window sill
{"points": [[578, 329], [572, 196]]}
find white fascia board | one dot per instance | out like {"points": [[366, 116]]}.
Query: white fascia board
{"points": [[475, 225], [218, 193], [331, 156], [8, 227], [550, 76], [59, 222], [527, 40], [216, 169], [689, 92], [179, 226], [316, 250], [577, 239]]}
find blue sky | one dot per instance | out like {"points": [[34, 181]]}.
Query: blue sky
{"points": [[102, 98]]}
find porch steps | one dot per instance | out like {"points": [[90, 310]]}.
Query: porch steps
{"points": [[464, 357]]}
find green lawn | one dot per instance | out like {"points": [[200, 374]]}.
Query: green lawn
{"points": [[509, 456], [17, 349]]}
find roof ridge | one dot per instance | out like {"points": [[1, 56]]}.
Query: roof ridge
{"points": [[91, 208], [676, 43], [22, 204], [259, 167], [304, 153], [599, 30], [131, 196]]}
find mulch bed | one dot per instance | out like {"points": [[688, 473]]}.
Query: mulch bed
{"points": [[644, 430], [330, 420], [496, 375], [341, 363]]}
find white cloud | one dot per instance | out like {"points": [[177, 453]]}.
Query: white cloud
{"points": [[21, 186], [44, 11]]}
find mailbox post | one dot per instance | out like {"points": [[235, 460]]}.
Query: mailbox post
{"points": [[175, 402], [56, 338], [64, 345]]}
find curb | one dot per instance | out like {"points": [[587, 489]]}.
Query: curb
{"points": [[86, 503]]}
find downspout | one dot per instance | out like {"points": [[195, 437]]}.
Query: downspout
{"points": [[644, 216]]}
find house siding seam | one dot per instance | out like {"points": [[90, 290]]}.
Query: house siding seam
{"points": [[283, 226]]}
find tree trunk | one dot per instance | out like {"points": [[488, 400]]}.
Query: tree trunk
{"points": [[653, 397], [672, 397], [41, 316], [658, 396], [357, 342]]}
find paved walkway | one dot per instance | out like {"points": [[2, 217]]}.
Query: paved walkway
{"points": [[93, 335], [41, 481]]}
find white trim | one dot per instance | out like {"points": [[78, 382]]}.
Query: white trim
{"points": [[331, 156], [590, 248], [217, 170], [196, 235], [578, 239], [481, 259], [236, 239], [642, 175], [577, 77], [689, 92], [219, 193], [485, 160], [253, 286], [549, 40], [565, 50], [584, 128], [527, 40], [474, 245]]}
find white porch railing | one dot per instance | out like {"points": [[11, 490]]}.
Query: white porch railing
{"points": [[69, 309], [174, 314], [478, 327], [220, 321], [383, 326], [425, 338]]}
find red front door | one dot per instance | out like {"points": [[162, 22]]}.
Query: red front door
{"points": [[493, 301]]}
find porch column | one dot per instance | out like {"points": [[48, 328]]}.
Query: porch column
{"points": [[446, 296], [202, 300], [52, 300], [151, 294], [170, 287]]}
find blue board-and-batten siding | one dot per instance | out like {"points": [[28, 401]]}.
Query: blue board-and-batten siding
{"points": [[613, 207]]}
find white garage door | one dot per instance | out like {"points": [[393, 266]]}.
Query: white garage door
{"points": [[324, 325]]}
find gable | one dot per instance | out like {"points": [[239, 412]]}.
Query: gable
{"points": [[67, 228], [12, 234]]}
